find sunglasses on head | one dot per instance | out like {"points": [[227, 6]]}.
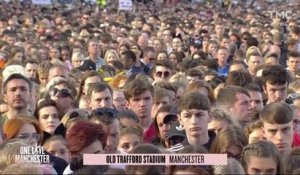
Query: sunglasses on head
{"points": [[61, 93], [160, 74], [105, 111]]}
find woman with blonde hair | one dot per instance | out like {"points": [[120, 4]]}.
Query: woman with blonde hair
{"points": [[110, 57]]}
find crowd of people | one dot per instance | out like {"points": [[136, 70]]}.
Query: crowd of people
{"points": [[171, 77]]}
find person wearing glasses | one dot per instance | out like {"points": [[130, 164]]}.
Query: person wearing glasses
{"points": [[63, 93], [149, 57], [162, 70], [26, 128], [16, 94]]}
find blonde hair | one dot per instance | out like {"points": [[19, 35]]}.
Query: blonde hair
{"points": [[22, 168], [108, 52], [8, 151], [179, 77]]}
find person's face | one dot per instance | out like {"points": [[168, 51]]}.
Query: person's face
{"points": [[63, 103], [253, 62], [128, 141], [225, 42], [217, 126], [261, 165], [256, 102], [124, 121], [54, 53], [212, 48], [85, 19], [89, 81], [19, 57], [184, 172], [57, 72], [163, 128], [194, 122], [101, 100], [29, 134], [192, 79], [275, 93], [241, 107], [157, 45], [122, 49], [111, 57], [65, 55], [173, 59], [222, 56], [17, 94], [127, 63], [150, 58], [293, 63], [43, 54], [94, 148], [233, 39], [93, 48], [176, 44], [119, 100], [219, 30], [58, 149], [280, 134], [31, 70], [142, 104], [236, 67], [272, 61], [11, 40], [76, 62], [162, 73], [49, 119], [166, 35], [158, 103], [142, 42], [233, 151], [113, 137], [162, 56], [256, 134], [43, 79]]}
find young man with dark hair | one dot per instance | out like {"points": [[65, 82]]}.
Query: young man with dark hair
{"points": [[129, 61], [162, 70], [139, 95], [31, 67], [17, 95], [277, 121], [256, 100], [235, 100], [194, 74], [275, 83], [194, 109], [99, 96], [149, 57], [293, 62]]}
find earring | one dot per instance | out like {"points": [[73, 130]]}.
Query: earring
{"points": [[179, 128]]}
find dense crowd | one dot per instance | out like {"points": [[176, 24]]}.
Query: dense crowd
{"points": [[167, 77]]}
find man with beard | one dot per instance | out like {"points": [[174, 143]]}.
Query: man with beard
{"points": [[16, 93], [139, 94]]}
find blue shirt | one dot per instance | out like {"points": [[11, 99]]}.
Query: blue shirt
{"points": [[223, 71]]}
